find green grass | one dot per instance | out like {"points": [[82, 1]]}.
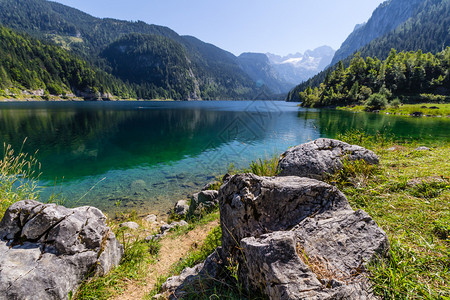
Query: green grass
{"points": [[18, 178], [408, 109], [261, 167], [416, 217], [194, 222], [138, 255], [205, 288]]}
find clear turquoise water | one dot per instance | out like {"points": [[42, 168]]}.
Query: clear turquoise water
{"points": [[148, 155]]}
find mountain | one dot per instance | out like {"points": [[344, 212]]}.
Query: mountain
{"points": [[388, 16], [204, 72], [260, 69], [26, 63], [295, 68], [426, 30], [280, 74]]}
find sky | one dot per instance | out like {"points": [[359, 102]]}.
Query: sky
{"points": [[276, 26]]}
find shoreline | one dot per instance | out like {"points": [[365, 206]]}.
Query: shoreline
{"points": [[86, 100], [410, 186], [417, 110]]}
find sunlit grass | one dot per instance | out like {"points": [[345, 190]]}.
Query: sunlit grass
{"points": [[443, 109], [408, 195], [18, 178]]}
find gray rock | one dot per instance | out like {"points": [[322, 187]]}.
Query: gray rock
{"points": [[209, 186], [181, 208], [251, 205], [321, 157], [422, 148], [183, 285], [183, 223], [150, 219], [352, 235], [130, 225], [271, 224], [167, 227], [46, 250], [275, 267], [202, 202], [155, 237]]}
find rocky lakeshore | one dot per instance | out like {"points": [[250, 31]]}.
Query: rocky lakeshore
{"points": [[290, 236], [293, 237]]}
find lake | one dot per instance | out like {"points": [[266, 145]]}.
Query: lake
{"points": [[147, 155]]}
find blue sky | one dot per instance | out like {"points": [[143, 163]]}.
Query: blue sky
{"points": [[280, 27]]}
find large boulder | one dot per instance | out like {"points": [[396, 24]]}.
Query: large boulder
{"points": [[47, 250], [297, 238], [251, 205], [319, 158]]}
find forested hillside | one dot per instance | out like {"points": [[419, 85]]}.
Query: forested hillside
{"points": [[427, 30], [26, 63], [401, 75], [385, 18], [205, 72]]}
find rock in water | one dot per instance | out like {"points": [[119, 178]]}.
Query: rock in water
{"points": [[297, 238], [321, 157], [47, 250]]}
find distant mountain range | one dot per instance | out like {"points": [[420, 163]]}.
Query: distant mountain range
{"points": [[281, 74], [295, 68], [404, 25]]}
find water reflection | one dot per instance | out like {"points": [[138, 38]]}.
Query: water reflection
{"points": [[331, 122], [147, 155]]}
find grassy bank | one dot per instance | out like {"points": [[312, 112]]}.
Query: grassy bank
{"points": [[408, 195], [422, 109]]}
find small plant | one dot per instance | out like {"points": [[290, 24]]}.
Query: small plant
{"points": [[441, 227], [356, 173], [264, 167], [260, 167], [153, 247], [18, 177], [118, 203], [395, 103], [233, 270], [376, 102], [429, 190]]}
